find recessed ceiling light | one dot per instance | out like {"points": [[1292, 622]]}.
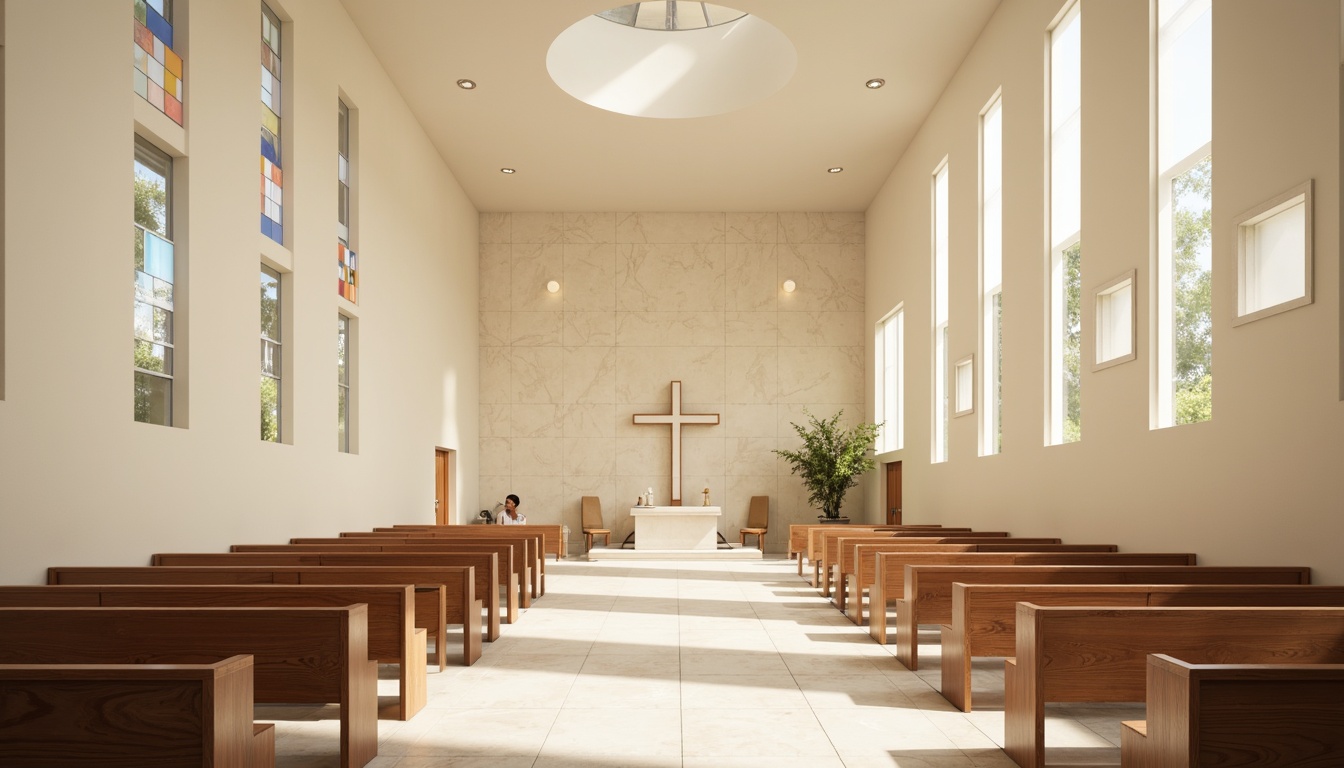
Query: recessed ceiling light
{"points": [[836, 169], [507, 170], [466, 85], [875, 83]]}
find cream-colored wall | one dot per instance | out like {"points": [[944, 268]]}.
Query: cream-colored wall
{"points": [[647, 298], [80, 481], [1259, 484]]}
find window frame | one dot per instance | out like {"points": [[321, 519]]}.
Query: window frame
{"points": [[147, 154], [890, 380], [277, 354], [941, 257], [1056, 405], [991, 295], [345, 379]]}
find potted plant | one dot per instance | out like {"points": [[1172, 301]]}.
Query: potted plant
{"points": [[831, 460]]}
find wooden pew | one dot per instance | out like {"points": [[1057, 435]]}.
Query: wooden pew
{"points": [[486, 565], [1100, 654], [1237, 715], [536, 542], [858, 559], [58, 715], [818, 539], [432, 585], [798, 540], [984, 616], [889, 571], [833, 546], [299, 655], [522, 565], [552, 534], [393, 635]]}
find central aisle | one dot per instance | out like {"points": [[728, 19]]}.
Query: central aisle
{"points": [[697, 665]]}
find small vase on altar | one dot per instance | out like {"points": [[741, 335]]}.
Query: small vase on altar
{"points": [[705, 503]]}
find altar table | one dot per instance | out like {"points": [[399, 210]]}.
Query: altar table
{"points": [[676, 528]]}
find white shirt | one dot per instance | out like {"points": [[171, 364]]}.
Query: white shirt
{"points": [[504, 519]]}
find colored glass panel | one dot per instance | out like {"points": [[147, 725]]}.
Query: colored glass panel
{"points": [[158, 69], [272, 185]]}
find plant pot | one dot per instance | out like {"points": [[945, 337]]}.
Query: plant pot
{"points": [[832, 520]]}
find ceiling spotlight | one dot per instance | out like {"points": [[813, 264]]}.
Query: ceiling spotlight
{"points": [[790, 286], [466, 85], [873, 84], [553, 287], [507, 170], [836, 169]]}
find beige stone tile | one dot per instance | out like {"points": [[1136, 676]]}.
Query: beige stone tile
{"points": [[842, 691], [536, 420], [731, 662], [590, 227], [669, 329], [590, 329], [644, 375], [861, 729], [700, 457], [633, 690], [590, 420], [534, 265], [750, 456], [670, 278], [821, 375], [608, 761], [644, 455], [750, 420], [589, 277], [531, 227], [496, 276], [752, 374], [753, 281], [492, 491], [539, 493], [537, 375], [741, 692], [590, 375], [508, 731], [495, 329], [538, 456], [774, 761], [670, 227], [752, 227], [695, 640], [821, 329], [495, 228], [620, 732], [496, 456], [536, 329], [754, 733], [495, 420], [751, 329], [829, 278], [590, 456], [443, 761], [822, 227], [496, 375]]}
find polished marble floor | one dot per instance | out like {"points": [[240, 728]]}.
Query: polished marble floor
{"points": [[697, 665]]}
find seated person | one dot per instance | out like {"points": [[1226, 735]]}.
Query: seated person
{"points": [[511, 515]]}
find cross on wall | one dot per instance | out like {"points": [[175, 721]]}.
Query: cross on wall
{"points": [[676, 419]]}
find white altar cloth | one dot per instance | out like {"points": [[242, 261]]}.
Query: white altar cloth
{"points": [[676, 528]]}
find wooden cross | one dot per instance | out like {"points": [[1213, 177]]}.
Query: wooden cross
{"points": [[676, 419]]}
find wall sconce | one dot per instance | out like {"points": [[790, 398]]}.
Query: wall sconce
{"points": [[553, 287], [790, 286]]}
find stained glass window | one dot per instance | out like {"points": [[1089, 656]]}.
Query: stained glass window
{"points": [[158, 68], [272, 178], [152, 330], [347, 278]]}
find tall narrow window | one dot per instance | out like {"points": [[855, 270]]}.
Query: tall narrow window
{"points": [[940, 314], [270, 355], [889, 403], [343, 402], [347, 269], [272, 177], [158, 69], [1066, 299], [154, 267], [1184, 274], [991, 276]]}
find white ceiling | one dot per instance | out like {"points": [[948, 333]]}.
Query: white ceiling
{"points": [[770, 156]]}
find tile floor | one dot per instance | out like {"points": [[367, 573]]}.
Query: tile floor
{"points": [[694, 665]]}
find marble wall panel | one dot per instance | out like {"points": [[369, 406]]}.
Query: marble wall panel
{"points": [[747, 420], [752, 280], [542, 456], [533, 227], [821, 374], [590, 329], [752, 227], [536, 329], [821, 329], [496, 420], [590, 375], [589, 420], [493, 489], [644, 456], [496, 456], [589, 277], [540, 496], [751, 329], [496, 228], [700, 456], [827, 227], [590, 227], [534, 265], [537, 375], [669, 329], [496, 276], [643, 374], [751, 456], [669, 227], [752, 374], [496, 375], [536, 420], [670, 278], [495, 329], [594, 456], [829, 277]]}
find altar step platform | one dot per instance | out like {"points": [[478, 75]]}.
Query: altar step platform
{"points": [[617, 553], [676, 533]]}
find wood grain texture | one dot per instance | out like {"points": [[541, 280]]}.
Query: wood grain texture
{"points": [[534, 538]]}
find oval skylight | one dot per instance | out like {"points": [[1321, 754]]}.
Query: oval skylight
{"points": [[671, 59]]}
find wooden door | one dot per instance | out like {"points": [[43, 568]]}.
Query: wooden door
{"points": [[894, 493], [445, 464]]}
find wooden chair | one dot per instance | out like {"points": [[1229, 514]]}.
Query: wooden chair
{"points": [[758, 521], [592, 523]]}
